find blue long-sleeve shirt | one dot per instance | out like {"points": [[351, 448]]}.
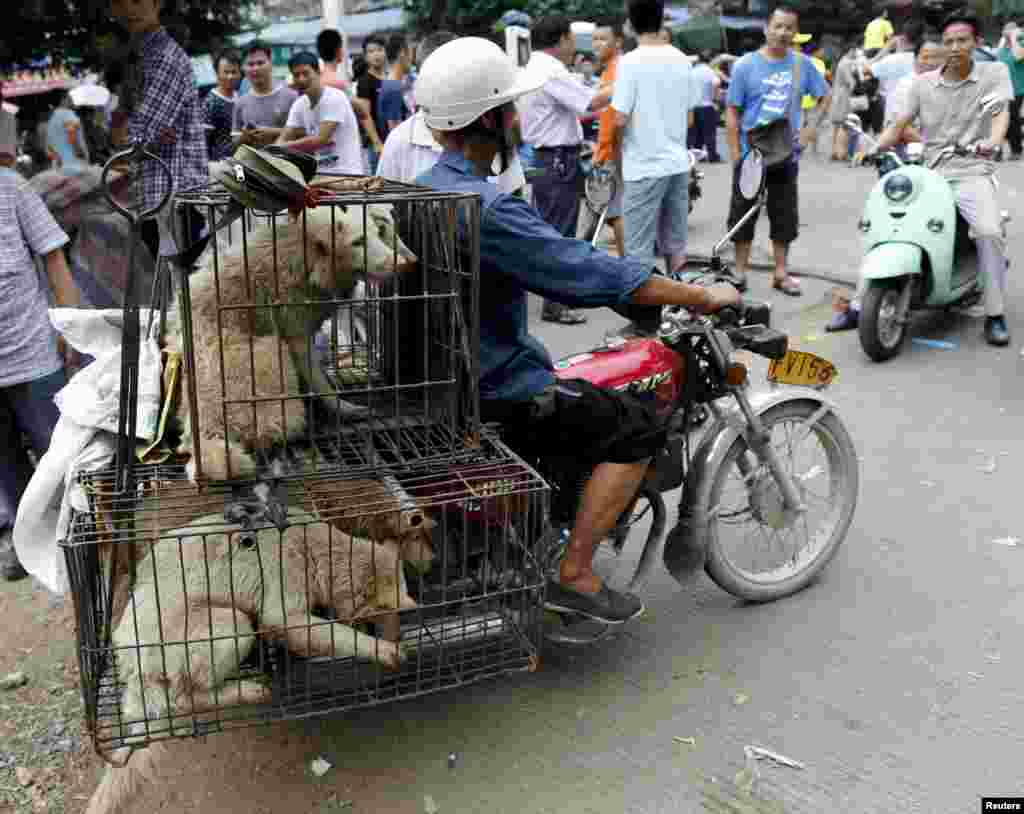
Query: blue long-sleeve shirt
{"points": [[520, 253]]}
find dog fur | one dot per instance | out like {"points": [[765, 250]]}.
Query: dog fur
{"points": [[216, 588], [291, 272]]}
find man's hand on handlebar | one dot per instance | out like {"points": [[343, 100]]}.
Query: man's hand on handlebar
{"points": [[722, 295]]}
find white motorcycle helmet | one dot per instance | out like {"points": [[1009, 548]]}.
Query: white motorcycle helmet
{"points": [[465, 78]]}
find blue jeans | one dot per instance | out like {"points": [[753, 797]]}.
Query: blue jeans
{"points": [[27, 409]]}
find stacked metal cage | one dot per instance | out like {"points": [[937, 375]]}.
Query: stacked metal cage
{"points": [[382, 544]]}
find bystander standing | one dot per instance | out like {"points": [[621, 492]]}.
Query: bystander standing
{"points": [[704, 133], [549, 120], [166, 116], [321, 120], [260, 115], [65, 141], [608, 42], [391, 107], [368, 90], [32, 369], [761, 90], [1011, 54], [330, 46], [654, 100], [219, 106]]}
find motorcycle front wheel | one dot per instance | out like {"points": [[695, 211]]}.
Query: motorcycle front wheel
{"points": [[757, 549]]}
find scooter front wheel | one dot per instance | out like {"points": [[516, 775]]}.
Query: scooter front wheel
{"points": [[882, 324]]}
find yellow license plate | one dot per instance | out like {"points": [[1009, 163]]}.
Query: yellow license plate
{"points": [[802, 368]]}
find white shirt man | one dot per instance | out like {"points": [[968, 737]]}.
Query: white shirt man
{"points": [[333, 106], [410, 150], [551, 116]]}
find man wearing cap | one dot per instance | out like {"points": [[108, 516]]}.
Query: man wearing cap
{"points": [[967, 103], [32, 360], [411, 149], [549, 120], [466, 89]]}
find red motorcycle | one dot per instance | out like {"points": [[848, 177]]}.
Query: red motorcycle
{"points": [[768, 493]]}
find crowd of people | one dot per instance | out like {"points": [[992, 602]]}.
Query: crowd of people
{"points": [[455, 114]]}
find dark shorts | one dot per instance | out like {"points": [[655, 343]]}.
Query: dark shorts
{"points": [[574, 418], [781, 205]]}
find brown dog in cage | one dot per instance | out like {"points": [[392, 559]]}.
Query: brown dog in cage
{"points": [[254, 310], [204, 593]]}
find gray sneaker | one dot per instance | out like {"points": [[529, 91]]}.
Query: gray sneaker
{"points": [[10, 568], [608, 606]]}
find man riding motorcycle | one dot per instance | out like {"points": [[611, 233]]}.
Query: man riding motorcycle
{"points": [[950, 105], [466, 89]]}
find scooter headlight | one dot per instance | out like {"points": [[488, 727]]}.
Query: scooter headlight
{"points": [[898, 188]]}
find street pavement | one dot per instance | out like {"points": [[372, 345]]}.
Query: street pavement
{"points": [[895, 680]]}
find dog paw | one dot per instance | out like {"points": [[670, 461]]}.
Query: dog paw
{"points": [[391, 655]]}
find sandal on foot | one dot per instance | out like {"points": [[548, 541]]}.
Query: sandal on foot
{"points": [[789, 286]]}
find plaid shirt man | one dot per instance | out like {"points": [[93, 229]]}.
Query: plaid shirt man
{"points": [[167, 117]]}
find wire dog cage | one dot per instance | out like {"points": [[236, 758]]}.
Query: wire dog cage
{"points": [[355, 322], [413, 581], [330, 368]]}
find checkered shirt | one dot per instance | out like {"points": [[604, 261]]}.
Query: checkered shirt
{"points": [[169, 102]]}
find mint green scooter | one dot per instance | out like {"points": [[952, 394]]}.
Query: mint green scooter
{"points": [[918, 250]]}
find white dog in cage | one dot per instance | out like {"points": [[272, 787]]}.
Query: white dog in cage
{"points": [[203, 594], [255, 309]]}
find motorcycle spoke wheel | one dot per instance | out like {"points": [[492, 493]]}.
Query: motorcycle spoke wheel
{"points": [[758, 549]]}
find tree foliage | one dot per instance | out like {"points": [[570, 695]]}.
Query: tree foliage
{"points": [[82, 28]]}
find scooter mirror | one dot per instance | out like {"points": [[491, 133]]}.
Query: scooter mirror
{"points": [[751, 174]]}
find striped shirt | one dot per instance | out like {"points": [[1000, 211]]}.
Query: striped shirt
{"points": [[28, 348], [168, 106]]}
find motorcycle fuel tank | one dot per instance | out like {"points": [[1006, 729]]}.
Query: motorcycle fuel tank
{"points": [[643, 367]]}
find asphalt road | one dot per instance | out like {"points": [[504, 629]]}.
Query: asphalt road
{"points": [[895, 679]]}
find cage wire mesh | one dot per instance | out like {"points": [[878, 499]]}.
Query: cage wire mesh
{"points": [[413, 581], [339, 353], [345, 328]]}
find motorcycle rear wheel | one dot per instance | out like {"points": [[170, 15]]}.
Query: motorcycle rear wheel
{"points": [[806, 542]]}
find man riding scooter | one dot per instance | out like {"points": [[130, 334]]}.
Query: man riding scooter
{"points": [[950, 106], [466, 89]]}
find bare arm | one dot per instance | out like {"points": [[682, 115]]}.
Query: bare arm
{"points": [[892, 134], [659, 290], [1000, 127], [603, 97], [65, 292], [732, 132], [309, 144], [365, 116]]}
